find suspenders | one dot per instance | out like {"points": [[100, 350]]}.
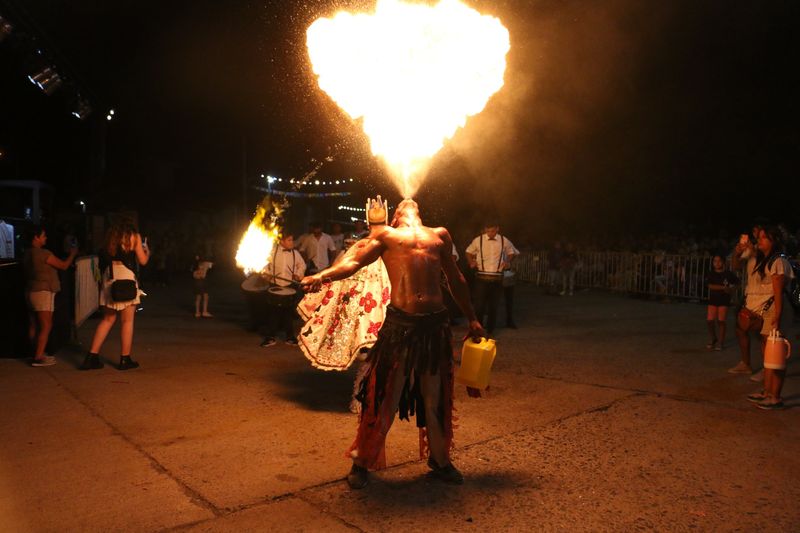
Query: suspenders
{"points": [[275, 266], [499, 257]]}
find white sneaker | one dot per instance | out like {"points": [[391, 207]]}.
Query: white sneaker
{"points": [[758, 376], [47, 360]]}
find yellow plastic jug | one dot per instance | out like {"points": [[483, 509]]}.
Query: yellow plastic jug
{"points": [[476, 363]]}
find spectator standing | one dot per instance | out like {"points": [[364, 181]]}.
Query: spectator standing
{"points": [[360, 230], [554, 267], [509, 281], [768, 272], [721, 284], [285, 267], [317, 249], [569, 260], [200, 270], [337, 237], [120, 258], [42, 286], [489, 254]]}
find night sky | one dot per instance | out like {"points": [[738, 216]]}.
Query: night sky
{"points": [[616, 116]]}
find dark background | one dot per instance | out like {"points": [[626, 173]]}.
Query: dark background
{"points": [[617, 116]]}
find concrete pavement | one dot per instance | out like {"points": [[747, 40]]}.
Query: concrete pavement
{"points": [[605, 414]]}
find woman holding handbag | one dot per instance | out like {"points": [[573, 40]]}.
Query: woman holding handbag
{"points": [[120, 258], [767, 274]]}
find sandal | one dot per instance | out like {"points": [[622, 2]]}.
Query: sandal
{"points": [[757, 397], [741, 368], [771, 406]]}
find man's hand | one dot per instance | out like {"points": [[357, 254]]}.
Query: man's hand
{"points": [[476, 331], [312, 283]]}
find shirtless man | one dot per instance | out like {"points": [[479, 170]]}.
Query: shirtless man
{"points": [[411, 364]]}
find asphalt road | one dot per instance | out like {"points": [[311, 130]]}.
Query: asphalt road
{"points": [[605, 414]]}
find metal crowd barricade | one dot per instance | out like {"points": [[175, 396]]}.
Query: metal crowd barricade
{"points": [[648, 274]]}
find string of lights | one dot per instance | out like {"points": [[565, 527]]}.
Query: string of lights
{"points": [[300, 183]]}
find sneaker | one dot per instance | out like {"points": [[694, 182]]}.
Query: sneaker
{"points": [[358, 477], [740, 368], [448, 474], [207, 315], [758, 377], [291, 342], [91, 362], [771, 405], [197, 315], [756, 397], [719, 347], [126, 363], [711, 346], [269, 341], [47, 360]]}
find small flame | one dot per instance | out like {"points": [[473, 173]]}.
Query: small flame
{"points": [[255, 248], [413, 72]]}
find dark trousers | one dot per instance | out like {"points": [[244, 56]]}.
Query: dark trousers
{"points": [[280, 318], [487, 296]]}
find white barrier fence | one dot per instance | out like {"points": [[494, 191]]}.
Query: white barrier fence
{"points": [[655, 274], [87, 292]]}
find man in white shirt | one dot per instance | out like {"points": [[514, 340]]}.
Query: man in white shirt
{"points": [[285, 267], [489, 255], [338, 237], [318, 249]]}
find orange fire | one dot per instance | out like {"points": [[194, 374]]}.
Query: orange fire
{"points": [[255, 248], [413, 72]]}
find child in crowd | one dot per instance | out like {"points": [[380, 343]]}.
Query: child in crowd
{"points": [[721, 284], [199, 272]]}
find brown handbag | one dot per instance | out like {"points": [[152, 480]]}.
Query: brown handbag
{"points": [[747, 320]]}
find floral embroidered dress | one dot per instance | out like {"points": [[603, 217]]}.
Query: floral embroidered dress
{"points": [[344, 317]]}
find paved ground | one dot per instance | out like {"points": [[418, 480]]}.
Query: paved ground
{"points": [[605, 414]]}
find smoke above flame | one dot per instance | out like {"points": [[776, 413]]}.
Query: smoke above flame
{"points": [[412, 72]]}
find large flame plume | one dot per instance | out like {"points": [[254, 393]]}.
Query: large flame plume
{"points": [[413, 72], [255, 248]]}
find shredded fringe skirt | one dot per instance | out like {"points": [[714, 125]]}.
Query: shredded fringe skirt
{"points": [[416, 345]]}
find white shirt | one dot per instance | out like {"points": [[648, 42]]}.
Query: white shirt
{"points": [[317, 250], [759, 290], [286, 264], [495, 252], [338, 241]]}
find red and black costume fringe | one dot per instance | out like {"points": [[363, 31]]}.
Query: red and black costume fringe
{"points": [[416, 345]]}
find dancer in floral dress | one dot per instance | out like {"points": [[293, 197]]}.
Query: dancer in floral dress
{"points": [[343, 319]]}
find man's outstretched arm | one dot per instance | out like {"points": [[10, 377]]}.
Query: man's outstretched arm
{"points": [[458, 285], [359, 255]]}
